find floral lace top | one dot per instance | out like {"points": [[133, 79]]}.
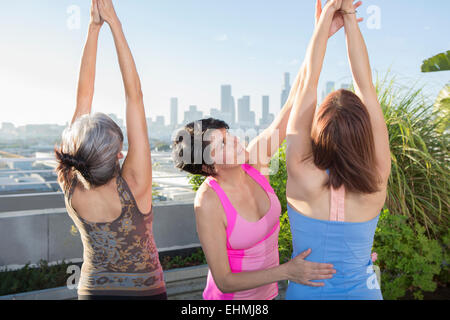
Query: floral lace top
{"points": [[120, 257]]}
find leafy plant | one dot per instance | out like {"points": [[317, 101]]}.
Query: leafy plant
{"points": [[278, 182], [196, 181], [440, 62], [408, 259], [419, 183], [442, 107], [44, 276], [30, 279]]}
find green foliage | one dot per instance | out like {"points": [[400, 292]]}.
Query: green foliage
{"points": [[30, 279], [196, 181], [46, 277], [419, 183], [408, 259], [440, 62], [278, 181], [442, 108], [195, 259]]}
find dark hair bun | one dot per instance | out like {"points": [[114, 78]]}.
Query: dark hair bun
{"points": [[78, 164]]}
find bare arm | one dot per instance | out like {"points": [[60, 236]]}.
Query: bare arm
{"points": [[86, 80], [300, 121], [137, 167], [269, 141], [211, 228], [275, 135], [364, 87]]}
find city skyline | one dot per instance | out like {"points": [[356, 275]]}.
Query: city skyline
{"points": [[188, 49], [228, 101]]}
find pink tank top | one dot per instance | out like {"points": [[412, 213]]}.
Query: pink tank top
{"points": [[250, 246]]}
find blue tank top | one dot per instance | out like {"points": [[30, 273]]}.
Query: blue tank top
{"points": [[346, 245]]}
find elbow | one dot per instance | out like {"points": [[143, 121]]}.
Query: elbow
{"points": [[135, 96], [224, 285]]}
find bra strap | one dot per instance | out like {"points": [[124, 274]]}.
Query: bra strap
{"points": [[337, 210], [337, 203]]}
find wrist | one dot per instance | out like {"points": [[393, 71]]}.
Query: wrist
{"points": [[349, 17], [114, 22], [94, 26], [283, 272]]}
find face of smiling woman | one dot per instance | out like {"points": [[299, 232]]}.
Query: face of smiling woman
{"points": [[226, 150]]}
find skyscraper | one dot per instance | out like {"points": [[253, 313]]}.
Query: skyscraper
{"points": [[267, 118], [173, 112], [286, 89], [228, 107], [244, 110], [192, 115], [329, 88]]}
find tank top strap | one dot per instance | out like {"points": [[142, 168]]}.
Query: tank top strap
{"points": [[230, 211], [258, 177], [337, 203], [125, 195]]}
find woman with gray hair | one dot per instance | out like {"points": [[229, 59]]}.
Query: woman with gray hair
{"points": [[111, 206]]}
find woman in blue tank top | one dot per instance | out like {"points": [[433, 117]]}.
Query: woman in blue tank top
{"points": [[338, 163]]}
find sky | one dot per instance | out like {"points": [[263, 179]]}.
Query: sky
{"points": [[188, 49]]}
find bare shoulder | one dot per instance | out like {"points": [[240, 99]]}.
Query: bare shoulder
{"points": [[207, 205]]}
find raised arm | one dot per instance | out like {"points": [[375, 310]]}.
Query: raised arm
{"points": [[137, 167], [300, 121], [365, 89], [86, 80], [275, 134]]}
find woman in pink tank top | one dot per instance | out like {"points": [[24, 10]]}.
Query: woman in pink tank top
{"points": [[237, 214], [237, 211]]}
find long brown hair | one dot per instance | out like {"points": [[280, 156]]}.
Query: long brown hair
{"points": [[343, 143]]}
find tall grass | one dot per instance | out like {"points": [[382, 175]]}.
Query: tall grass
{"points": [[419, 139]]}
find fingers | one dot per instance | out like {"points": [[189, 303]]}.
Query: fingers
{"points": [[314, 284], [319, 266], [318, 10], [321, 277], [304, 254], [323, 272], [358, 4]]}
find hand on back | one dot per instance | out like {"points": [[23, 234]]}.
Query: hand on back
{"points": [[301, 271]]}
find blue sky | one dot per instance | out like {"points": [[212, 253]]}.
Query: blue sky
{"points": [[188, 48]]}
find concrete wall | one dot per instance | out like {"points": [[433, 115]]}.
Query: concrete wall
{"points": [[29, 236]]}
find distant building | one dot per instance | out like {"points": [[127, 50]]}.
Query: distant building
{"points": [[246, 118], [267, 118], [174, 112], [8, 126], [192, 115], [329, 88], [286, 89], [346, 86], [216, 114], [228, 107], [116, 119]]}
